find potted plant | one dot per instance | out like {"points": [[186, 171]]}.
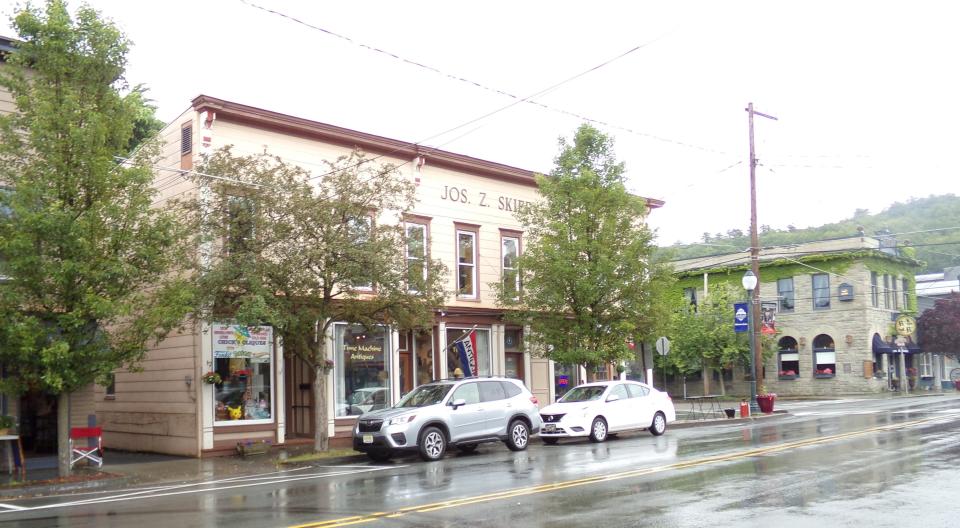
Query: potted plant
{"points": [[6, 423], [765, 400], [212, 378]]}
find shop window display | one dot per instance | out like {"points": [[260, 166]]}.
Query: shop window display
{"points": [[482, 341], [243, 357], [362, 369]]}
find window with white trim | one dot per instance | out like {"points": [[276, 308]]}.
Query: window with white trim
{"points": [[789, 358], [824, 357], [906, 294], [466, 264], [509, 251], [416, 256], [926, 365]]}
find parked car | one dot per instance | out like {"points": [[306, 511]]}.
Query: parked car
{"points": [[597, 410], [462, 413], [364, 400]]}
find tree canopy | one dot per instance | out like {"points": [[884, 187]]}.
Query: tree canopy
{"points": [[588, 279], [88, 265], [939, 327], [299, 252]]}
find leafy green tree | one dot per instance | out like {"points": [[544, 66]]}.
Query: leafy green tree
{"points": [[586, 272], [88, 264], [939, 327], [300, 253], [703, 339]]}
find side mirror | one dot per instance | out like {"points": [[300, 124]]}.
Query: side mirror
{"points": [[459, 402], [613, 397]]}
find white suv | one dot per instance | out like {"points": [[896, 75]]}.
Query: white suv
{"points": [[462, 413]]}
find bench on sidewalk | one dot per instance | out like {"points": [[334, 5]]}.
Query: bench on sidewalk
{"points": [[78, 451]]}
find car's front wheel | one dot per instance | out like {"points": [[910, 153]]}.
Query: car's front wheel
{"points": [[433, 444], [659, 424], [598, 430], [518, 435]]}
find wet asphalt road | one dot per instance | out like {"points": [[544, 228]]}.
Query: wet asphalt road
{"points": [[886, 462]]}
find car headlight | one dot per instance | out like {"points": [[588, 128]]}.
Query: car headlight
{"points": [[401, 419]]}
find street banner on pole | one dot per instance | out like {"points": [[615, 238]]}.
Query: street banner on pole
{"points": [[740, 317]]}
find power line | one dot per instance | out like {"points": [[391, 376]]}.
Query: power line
{"points": [[483, 86]]}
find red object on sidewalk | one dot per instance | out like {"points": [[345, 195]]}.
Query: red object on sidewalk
{"points": [[744, 409]]}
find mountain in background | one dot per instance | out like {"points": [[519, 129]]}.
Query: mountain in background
{"points": [[931, 225]]}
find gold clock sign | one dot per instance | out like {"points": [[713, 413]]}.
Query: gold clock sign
{"points": [[906, 325]]}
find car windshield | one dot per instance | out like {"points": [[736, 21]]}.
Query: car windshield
{"points": [[425, 395], [582, 394]]}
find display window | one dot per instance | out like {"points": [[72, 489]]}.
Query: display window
{"points": [[243, 360], [362, 369], [480, 340]]}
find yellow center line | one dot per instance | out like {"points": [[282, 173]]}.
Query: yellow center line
{"points": [[543, 488]]}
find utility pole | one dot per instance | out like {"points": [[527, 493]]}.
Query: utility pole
{"points": [[755, 332]]}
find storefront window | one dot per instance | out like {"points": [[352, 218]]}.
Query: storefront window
{"points": [[362, 369], [482, 338], [564, 378], [243, 357], [513, 353]]}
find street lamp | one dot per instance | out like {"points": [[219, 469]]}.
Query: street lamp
{"points": [[749, 282]]}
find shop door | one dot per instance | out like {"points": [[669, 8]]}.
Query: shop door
{"points": [[514, 365], [406, 372], [299, 395]]}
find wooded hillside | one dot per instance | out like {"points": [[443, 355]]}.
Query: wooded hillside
{"points": [[931, 225]]}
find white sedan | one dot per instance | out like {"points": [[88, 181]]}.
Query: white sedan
{"points": [[599, 409]]}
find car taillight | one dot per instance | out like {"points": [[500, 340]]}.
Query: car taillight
{"points": [[534, 400]]}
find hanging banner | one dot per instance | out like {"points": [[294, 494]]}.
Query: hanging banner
{"points": [[768, 317], [740, 317]]}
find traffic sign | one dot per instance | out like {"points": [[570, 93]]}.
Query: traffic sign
{"points": [[663, 346]]}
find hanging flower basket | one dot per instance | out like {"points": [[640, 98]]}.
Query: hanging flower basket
{"points": [[327, 365], [212, 378]]}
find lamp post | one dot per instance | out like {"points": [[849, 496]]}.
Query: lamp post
{"points": [[749, 282]]}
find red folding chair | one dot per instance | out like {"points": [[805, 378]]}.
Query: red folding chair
{"points": [[93, 454]]}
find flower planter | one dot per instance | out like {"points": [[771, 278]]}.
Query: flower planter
{"points": [[765, 402], [782, 378], [249, 448], [824, 376]]}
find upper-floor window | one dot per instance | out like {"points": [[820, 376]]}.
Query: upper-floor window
{"points": [[509, 251], [895, 295], [906, 294], [690, 294], [886, 291], [467, 264], [358, 230], [416, 255], [874, 290], [785, 294], [821, 291]]}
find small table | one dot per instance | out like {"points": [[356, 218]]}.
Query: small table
{"points": [[703, 407], [14, 454]]}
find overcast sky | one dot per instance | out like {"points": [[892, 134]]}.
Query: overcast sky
{"points": [[866, 92]]}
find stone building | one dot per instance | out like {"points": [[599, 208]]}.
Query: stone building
{"points": [[832, 304]]}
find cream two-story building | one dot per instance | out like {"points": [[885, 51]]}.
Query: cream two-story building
{"points": [[464, 214]]}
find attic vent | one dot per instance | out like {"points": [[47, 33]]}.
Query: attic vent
{"points": [[186, 140]]}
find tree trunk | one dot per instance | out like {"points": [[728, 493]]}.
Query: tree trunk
{"points": [[723, 385], [63, 433], [321, 438], [705, 374]]}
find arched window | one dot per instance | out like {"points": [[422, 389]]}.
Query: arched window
{"points": [[824, 357], [789, 358]]}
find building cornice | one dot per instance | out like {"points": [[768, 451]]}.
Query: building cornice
{"points": [[298, 126]]}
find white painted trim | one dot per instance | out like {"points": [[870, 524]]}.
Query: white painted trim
{"points": [[206, 393], [280, 388], [395, 364], [442, 342]]}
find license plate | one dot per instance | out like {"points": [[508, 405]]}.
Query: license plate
{"points": [[549, 428], [367, 439]]}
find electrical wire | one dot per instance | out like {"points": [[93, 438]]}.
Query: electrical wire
{"points": [[483, 86]]}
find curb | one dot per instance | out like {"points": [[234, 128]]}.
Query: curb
{"points": [[688, 424], [41, 490]]}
